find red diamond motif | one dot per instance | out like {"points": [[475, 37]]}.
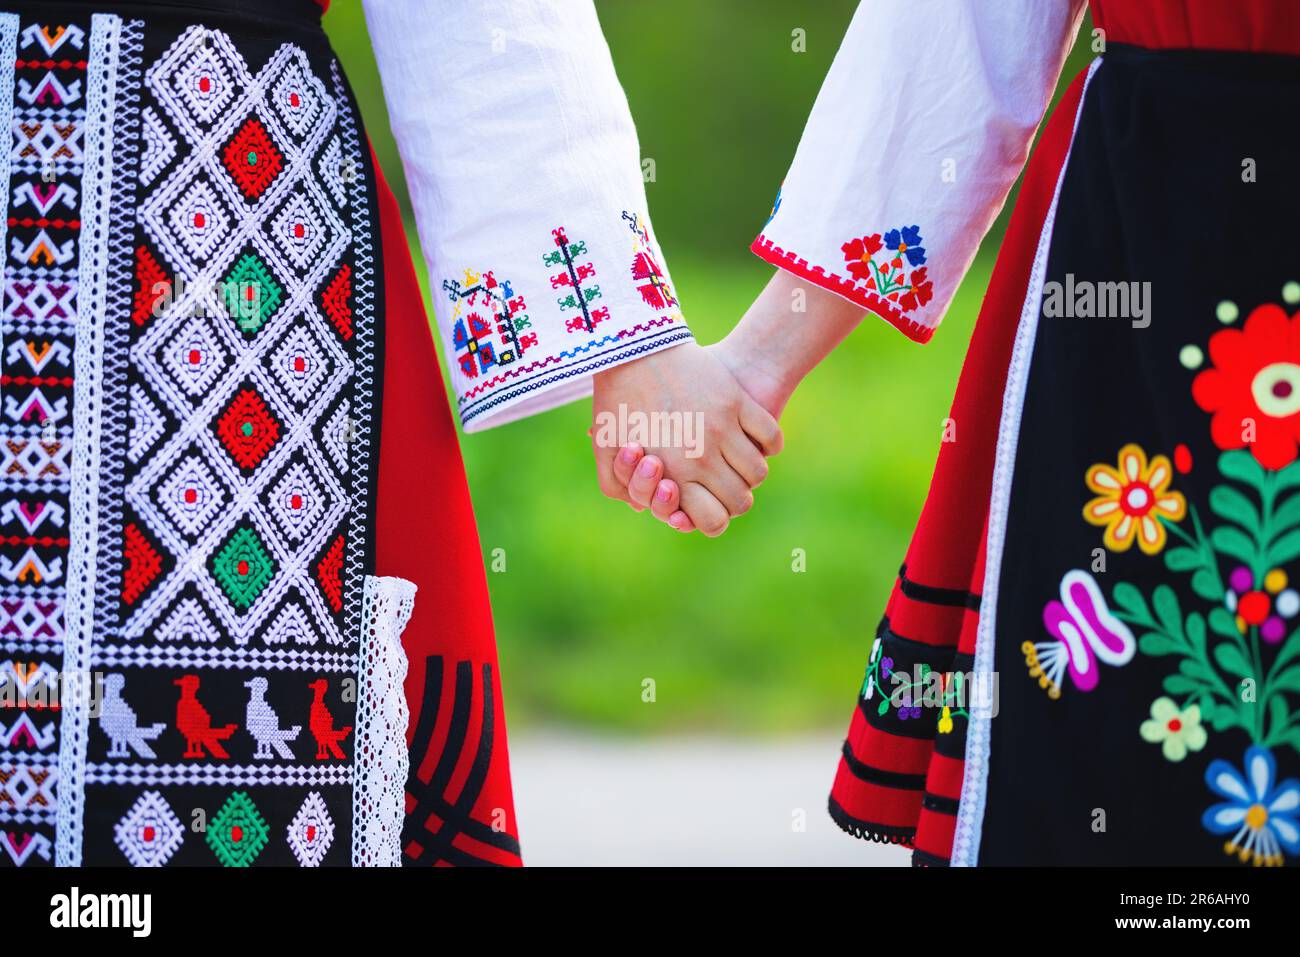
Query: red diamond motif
{"points": [[152, 285], [329, 573], [142, 564], [247, 429], [334, 300], [252, 158]]}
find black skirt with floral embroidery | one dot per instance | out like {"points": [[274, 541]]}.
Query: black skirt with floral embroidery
{"points": [[1147, 608]]}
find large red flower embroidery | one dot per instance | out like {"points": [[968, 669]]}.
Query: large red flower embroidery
{"points": [[858, 253], [922, 291], [1254, 386]]}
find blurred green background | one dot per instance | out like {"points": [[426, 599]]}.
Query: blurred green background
{"points": [[596, 598]]}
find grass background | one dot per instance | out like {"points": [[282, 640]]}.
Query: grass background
{"points": [[596, 599]]}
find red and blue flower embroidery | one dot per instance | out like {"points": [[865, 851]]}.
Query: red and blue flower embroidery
{"points": [[892, 265]]}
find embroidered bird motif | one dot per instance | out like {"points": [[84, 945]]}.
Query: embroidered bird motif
{"points": [[193, 721], [321, 723], [264, 724], [118, 720]]}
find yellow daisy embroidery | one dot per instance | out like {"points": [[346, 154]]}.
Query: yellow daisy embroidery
{"points": [[1131, 499]]}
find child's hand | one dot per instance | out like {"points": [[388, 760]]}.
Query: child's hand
{"points": [[711, 436], [768, 353], [643, 477]]}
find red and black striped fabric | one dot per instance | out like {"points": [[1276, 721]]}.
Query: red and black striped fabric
{"points": [[899, 779]]}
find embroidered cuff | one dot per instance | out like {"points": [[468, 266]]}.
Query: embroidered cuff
{"points": [[884, 272], [916, 137], [526, 335]]}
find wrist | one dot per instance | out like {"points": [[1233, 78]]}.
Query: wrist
{"points": [[761, 369], [638, 366]]}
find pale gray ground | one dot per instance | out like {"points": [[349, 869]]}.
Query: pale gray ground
{"points": [[690, 801]]}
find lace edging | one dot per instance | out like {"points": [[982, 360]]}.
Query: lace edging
{"points": [[866, 831], [382, 759]]}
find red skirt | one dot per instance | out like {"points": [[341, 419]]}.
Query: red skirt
{"points": [[459, 807]]}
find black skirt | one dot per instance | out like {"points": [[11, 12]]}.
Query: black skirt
{"points": [[1147, 616]]}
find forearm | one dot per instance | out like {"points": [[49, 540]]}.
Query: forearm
{"points": [[790, 327]]}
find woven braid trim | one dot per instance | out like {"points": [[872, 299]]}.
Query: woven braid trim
{"points": [[235, 775]]}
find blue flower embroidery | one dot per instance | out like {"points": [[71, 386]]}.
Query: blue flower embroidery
{"points": [[1260, 812], [776, 203], [907, 242]]}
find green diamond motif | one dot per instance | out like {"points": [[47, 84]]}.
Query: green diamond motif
{"points": [[237, 833], [251, 293], [243, 567]]}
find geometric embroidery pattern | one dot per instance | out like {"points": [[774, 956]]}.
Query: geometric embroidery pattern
{"points": [[243, 567], [194, 357], [311, 832], [252, 159], [297, 502], [159, 147], [191, 495], [334, 300], [489, 324], [237, 833], [248, 429], [646, 272], [571, 276], [43, 112], [251, 293], [239, 347], [150, 833]]}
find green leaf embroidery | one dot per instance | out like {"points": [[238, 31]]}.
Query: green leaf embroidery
{"points": [[1128, 598], [1158, 645], [1234, 542], [1285, 549], [1222, 623], [1227, 502], [1166, 605], [1181, 685], [1231, 660], [1241, 465], [1182, 559], [1207, 585], [1288, 680]]}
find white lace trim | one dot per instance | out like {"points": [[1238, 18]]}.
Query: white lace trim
{"points": [[88, 357], [363, 416], [382, 760], [970, 811]]}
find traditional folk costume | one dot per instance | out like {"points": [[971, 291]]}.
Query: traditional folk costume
{"points": [[243, 615], [1091, 654]]}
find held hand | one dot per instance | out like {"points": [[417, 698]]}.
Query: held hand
{"points": [[769, 352], [709, 435], [643, 476]]}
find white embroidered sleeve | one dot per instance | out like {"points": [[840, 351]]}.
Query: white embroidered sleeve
{"points": [[920, 129], [525, 173]]}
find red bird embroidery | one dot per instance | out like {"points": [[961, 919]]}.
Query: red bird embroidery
{"points": [[193, 721], [321, 723]]}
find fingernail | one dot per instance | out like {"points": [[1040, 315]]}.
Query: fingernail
{"points": [[646, 468], [628, 454], [676, 521], [664, 492]]}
